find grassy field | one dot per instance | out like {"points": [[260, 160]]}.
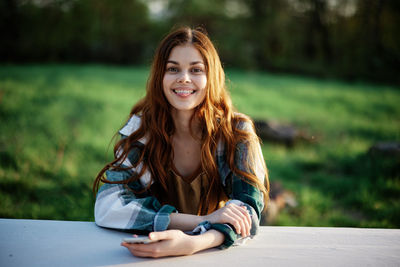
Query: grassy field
{"points": [[57, 121]]}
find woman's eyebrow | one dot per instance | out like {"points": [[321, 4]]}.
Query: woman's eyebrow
{"points": [[196, 62], [191, 63]]}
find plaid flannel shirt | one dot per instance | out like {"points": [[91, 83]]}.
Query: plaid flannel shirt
{"points": [[119, 208]]}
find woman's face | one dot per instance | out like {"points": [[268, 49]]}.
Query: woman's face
{"points": [[185, 78]]}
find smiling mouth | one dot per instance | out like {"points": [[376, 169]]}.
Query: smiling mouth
{"points": [[184, 92]]}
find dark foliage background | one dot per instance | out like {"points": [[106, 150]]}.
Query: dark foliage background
{"points": [[349, 39]]}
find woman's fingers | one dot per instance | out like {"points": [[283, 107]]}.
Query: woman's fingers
{"points": [[244, 220], [247, 219], [239, 217], [170, 242], [237, 222], [157, 236], [142, 250], [236, 215], [141, 253]]}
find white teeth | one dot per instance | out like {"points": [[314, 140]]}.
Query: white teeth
{"points": [[184, 91]]}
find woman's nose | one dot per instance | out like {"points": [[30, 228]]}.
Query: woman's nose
{"points": [[184, 77]]}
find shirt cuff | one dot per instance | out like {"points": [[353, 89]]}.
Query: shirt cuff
{"points": [[229, 235], [202, 228], [162, 220], [228, 232]]}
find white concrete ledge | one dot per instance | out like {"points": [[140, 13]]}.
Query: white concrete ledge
{"points": [[61, 243]]}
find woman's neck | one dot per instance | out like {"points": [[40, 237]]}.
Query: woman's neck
{"points": [[182, 124]]}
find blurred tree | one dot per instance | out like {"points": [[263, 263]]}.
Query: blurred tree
{"points": [[342, 38], [86, 30], [122, 30], [8, 29], [318, 44], [269, 27], [375, 19]]}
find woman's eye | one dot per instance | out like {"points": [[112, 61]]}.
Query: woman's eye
{"points": [[197, 70], [172, 69]]}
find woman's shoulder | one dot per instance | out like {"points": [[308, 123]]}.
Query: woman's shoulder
{"points": [[243, 122], [131, 126]]}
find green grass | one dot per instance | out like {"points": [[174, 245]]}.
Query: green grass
{"points": [[57, 121]]}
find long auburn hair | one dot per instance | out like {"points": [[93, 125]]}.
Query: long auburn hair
{"points": [[215, 114]]}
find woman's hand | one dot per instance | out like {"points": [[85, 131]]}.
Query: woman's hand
{"points": [[237, 216], [170, 243], [175, 243]]}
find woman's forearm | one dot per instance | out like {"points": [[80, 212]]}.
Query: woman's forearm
{"points": [[237, 216], [184, 222], [187, 222], [209, 239]]}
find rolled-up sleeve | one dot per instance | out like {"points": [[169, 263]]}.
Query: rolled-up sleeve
{"points": [[119, 208], [243, 193]]}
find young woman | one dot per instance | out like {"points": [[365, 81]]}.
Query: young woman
{"points": [[187, 170]]}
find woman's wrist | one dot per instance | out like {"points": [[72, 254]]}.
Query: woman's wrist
{"points": [[210, 239], [184, 222]]}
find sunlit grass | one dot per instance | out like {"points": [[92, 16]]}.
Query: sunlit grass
{"points": [[57, 122]]}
